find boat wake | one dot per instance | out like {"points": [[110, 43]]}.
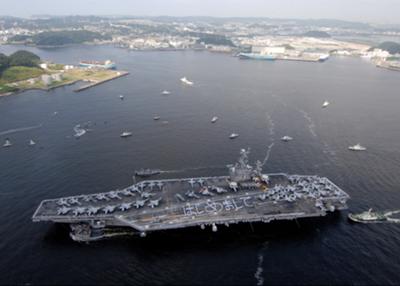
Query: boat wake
{"points": [[311, 124], [20, 129], [271, 127], [259, 271]]}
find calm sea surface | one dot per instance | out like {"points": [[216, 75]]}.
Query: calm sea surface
{"points": [[262, 101]]}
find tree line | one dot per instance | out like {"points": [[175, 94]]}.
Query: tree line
{"points": [[19, 58]]}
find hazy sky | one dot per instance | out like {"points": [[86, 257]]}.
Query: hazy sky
{"points": [[378, 11]]}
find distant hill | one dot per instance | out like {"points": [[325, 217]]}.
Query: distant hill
{"points": [[59, 38], [391, 47], [213, 39], [316, 34]]}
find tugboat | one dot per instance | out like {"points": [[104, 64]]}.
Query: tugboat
{"points": [[7, 143], [147, 172], [286, 138], [233, 136], [214, 119], [357, 147], [126, 134], [368, 217], [325, 104]]}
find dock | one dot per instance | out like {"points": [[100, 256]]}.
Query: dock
{"points": [[95, 83]]}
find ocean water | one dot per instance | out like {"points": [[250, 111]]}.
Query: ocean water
{"points": [[261, 101]]}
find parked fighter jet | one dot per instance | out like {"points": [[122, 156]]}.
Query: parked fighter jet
{"points": [[154, 203], [63, 202], [89, 199], [125, 206], [142, 186], [200, 181], [146, 195], [92, 210], [114, 195], [108, 209], [73, 201], [160, 185], [192, 182], [78, 211], [102, 197], [151, 185], [62, 211], [127, 192], [139, 203]]}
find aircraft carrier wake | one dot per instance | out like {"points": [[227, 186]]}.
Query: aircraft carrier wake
{"points": [[246, 195]]}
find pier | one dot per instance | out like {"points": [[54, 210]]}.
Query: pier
{"points": [[98, 82]]}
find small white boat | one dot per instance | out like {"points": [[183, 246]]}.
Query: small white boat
{"points": [[357, 147], [126, 134], [286, 138], [233, 136], [156, 117], [7, 143], [186, 81], [121, 97], [325, 104], [79, 131], [214, 119], [165, 92], [32, 143]]}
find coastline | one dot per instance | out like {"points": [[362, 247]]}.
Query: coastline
{"points": [[92, 83]]}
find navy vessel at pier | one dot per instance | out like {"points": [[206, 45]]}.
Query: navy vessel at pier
{"points": [[245, 195]]}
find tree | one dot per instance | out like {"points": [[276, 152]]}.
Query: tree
{"points": [[4, 62], [24, 58]]}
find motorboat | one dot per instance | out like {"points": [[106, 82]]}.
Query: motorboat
{"points": [[165, 92], [32, 143], [233, 136], [186, 81], [126, 134], [79, 131], [7, 143], [156, 117], [214, 119], [357, 147], [121, 97], [325, 104], [286, 138]]}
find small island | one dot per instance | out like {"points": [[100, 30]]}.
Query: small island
{"points": [[24, 70]]}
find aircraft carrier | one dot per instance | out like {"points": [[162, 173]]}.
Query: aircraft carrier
{"points": [[245, 195]]}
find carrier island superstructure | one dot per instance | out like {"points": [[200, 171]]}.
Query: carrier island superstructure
{"points": [[245, 195]]}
